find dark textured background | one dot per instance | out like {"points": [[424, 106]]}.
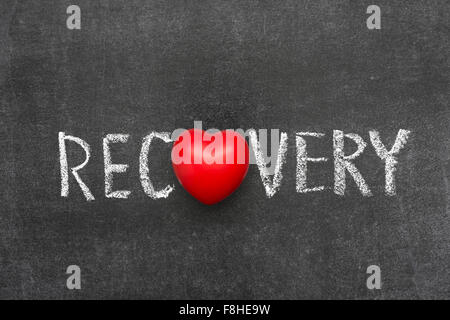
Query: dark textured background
{"points": [[139, 66]]}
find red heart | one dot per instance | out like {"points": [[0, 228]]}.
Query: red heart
{"points": [[219, 168]]}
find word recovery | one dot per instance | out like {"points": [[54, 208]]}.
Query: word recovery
{"points": [[271, 176]]}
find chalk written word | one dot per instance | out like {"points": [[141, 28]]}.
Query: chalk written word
{"points": [[271, 180]]}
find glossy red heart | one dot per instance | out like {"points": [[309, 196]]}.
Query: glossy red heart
{"points": [[210, 166]]}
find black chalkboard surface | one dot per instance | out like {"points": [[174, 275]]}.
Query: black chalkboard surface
{"points": [[136, 67]]}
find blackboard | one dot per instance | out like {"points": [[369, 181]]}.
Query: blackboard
{"points": [[140, 66]]}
